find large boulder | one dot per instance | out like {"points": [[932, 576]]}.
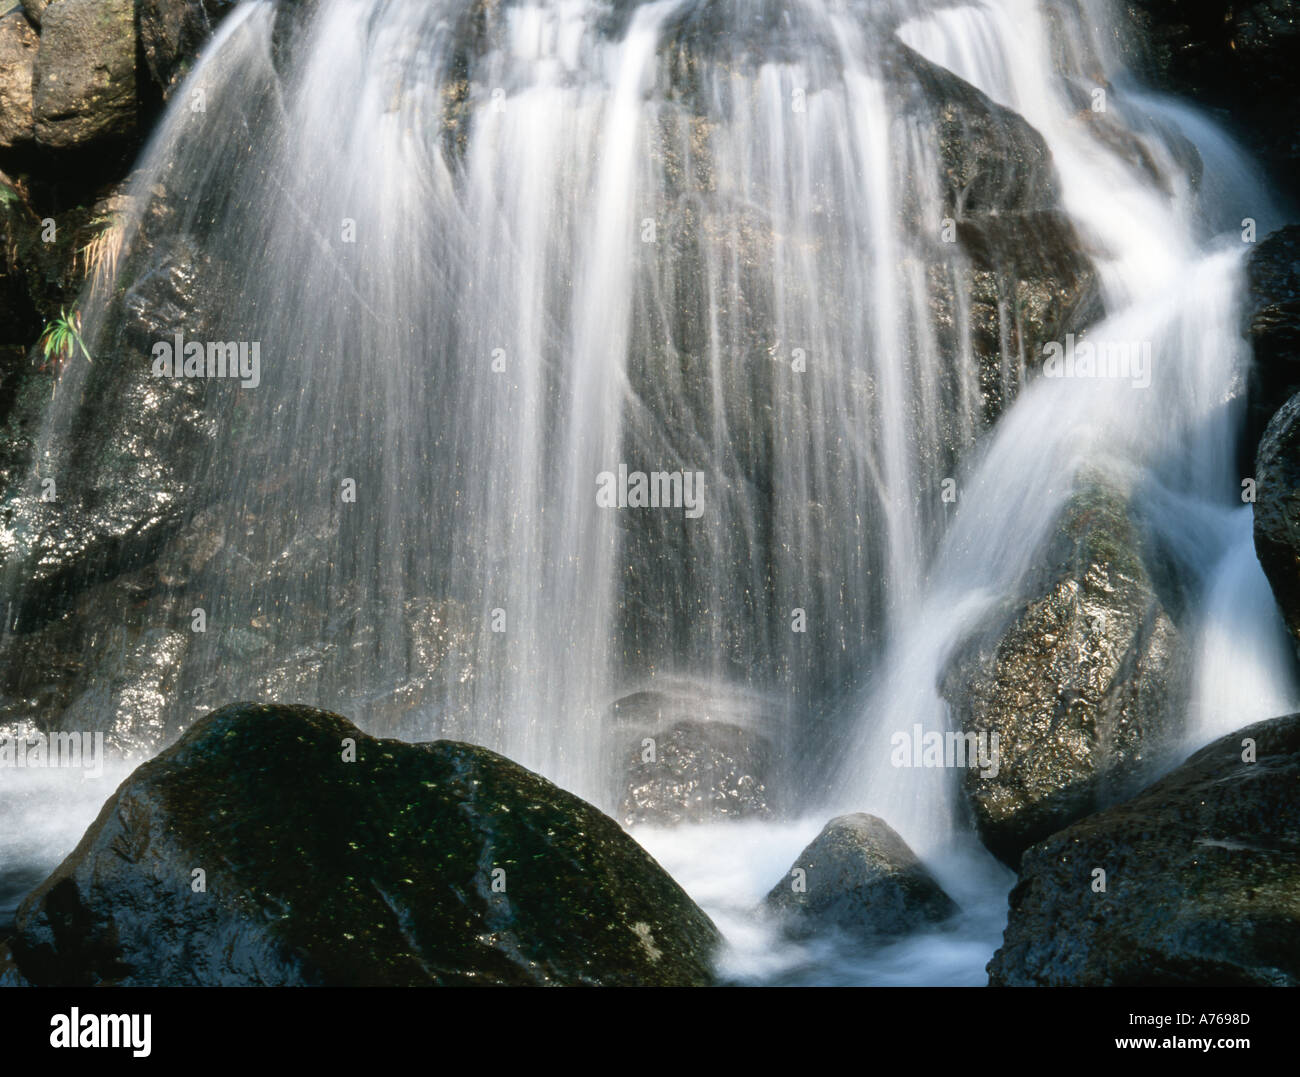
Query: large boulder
{"points": [[85, 80], [18, 45], [683, 768], [1277, 510], [1079, 681], [860, 878], [1201, 879], [415, 864]]}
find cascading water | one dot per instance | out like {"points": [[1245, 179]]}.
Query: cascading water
{"points": [[491, 252]]}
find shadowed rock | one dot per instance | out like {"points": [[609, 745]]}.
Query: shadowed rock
{"points": [[1277, 511], [1202, 879], [1272, 323]]}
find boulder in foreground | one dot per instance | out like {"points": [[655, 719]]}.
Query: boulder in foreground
{"points": [[1202, 879], [416, 864]]}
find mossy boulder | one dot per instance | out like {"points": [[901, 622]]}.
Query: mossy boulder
{"points": [[416, 864], [1081, 678], [1201, 883]]}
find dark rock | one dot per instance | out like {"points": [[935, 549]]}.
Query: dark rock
{"points": [[1235, 57], [860, 878], [1018, 269], [18, 45], [991, 161], [1202, 880], [1271, 318], [173, 31], [85, 86], [115, 507], [129, 689], [9, 974], [1081, 684], [1025, 281], [1277, 511], [374, 872], [695, 770]]}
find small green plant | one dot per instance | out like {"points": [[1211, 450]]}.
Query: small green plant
{"points": [[61, 340]]}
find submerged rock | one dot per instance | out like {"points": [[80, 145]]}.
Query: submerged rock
{"points": [[690, 770], [1277, 511], [439, 863], [859, 877], [1081, 683], [1202, 879]]}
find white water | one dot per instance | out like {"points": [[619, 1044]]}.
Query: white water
{"points": [[530, 241]]}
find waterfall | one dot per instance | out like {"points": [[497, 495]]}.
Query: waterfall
{"points": [[489, 260], [1170, 257], [498, 257]]}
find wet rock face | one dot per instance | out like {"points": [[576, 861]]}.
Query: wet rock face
{"points": [[84, 88], [1014, 277], [1017, 271], [173, 31], [1081, 685], [858, 877], [1202, 879], [424, 864], [1272, 324], [1277, 511], [1239, 57], [693, 771], [111, 510]]}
